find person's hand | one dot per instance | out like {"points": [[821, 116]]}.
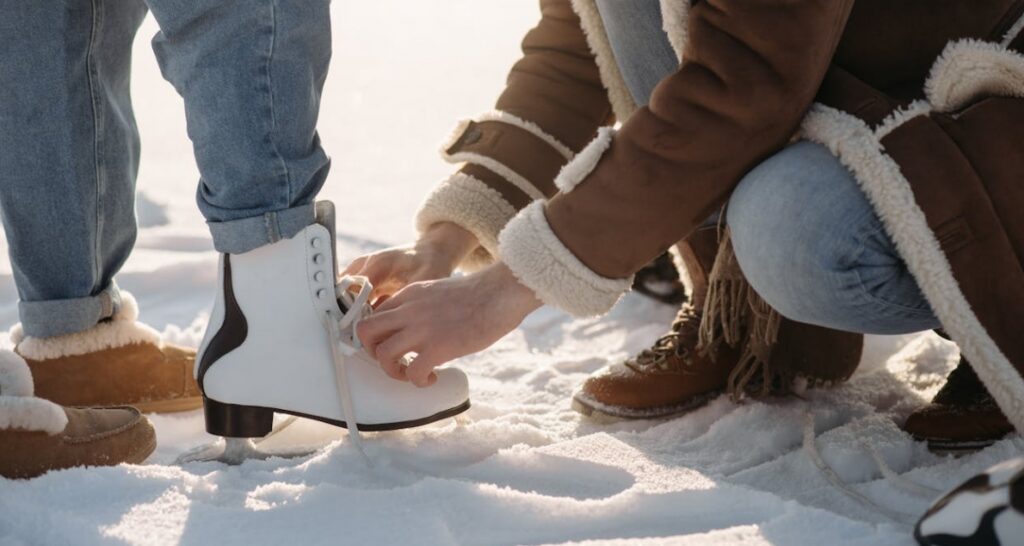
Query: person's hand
{"points": [[444, 320], [435, 255]]}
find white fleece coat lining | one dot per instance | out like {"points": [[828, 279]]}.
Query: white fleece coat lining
{"points": [[580, 168], [968, 69], [499, 168], [1013, 33], [901, 116], [675, 17], [528, 126], [597, 38]]}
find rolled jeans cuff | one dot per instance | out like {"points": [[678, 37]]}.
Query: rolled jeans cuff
{"points": [[245, 234], [60, 317]]}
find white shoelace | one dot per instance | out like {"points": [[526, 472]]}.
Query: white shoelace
{"points": [[811, 449], [343, 347]]}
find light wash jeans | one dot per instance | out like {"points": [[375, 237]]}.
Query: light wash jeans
{"points": [[805, 235], [251, 74]]}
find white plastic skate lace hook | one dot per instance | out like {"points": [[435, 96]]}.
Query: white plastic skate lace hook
{"points": [[360, 304], [341, 349]]}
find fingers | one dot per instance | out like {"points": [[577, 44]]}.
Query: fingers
{"points": [[384, 278], [377, 328], [373, 271], [393, 301], [398, 327], [388, 337], [355, 267], [390, 353], [377, 270], [421, 371]]}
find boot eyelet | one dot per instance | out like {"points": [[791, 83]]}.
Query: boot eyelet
{"points": [[321, 293], [319, 276], [315, 243], [318, 259]]}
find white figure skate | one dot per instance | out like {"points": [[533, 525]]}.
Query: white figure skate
{"points": [[282, 339]]}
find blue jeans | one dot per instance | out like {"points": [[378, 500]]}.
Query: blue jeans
{"points": [[251, 74], [805, 235]]}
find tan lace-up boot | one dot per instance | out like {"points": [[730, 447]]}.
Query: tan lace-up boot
{"points": [[963, 416], [725, 340]]}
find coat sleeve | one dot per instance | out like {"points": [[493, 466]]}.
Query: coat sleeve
{"points": [[750, 71], [552, 106]]}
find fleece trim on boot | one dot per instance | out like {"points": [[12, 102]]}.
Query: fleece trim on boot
{"points": [[473, 205], [597, 38], [542, 263], [122, 329], [18, 408], [879, 176]]}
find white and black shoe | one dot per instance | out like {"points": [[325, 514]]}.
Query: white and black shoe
{"points": [[282, 340], [987, 510]]}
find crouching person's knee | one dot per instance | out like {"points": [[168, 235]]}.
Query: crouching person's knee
{"points": [[782, 217], [762, 248]]}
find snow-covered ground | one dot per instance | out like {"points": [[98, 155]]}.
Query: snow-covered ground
{"points": [[522, 468]]}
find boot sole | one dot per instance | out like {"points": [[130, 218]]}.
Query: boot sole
{"points": [[947, 447], [606, 414], [174, 405], [235, 421]]}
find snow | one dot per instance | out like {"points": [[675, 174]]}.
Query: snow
{"points": [[149, 213], [522, 467]]}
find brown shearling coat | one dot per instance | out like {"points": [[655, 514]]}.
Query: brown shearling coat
{"points": [[923, 100]]}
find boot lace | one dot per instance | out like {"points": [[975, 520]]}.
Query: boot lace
{"points": [[345, 343], [673, 350], [341, 325]]}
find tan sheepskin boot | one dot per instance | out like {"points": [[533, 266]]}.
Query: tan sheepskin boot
{"points": [[38, 436], [119, 362]]}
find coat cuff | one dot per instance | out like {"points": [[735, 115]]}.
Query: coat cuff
{"points": [[474, 206], [540, 261]]}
